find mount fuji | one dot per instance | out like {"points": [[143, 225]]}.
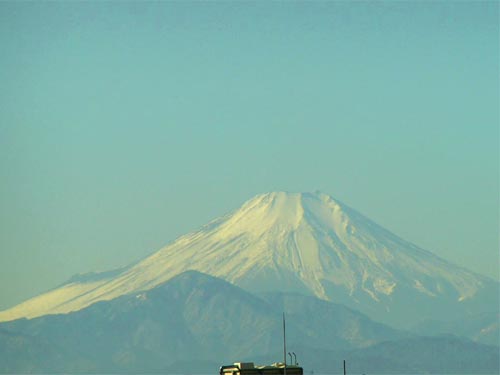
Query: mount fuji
{"points": [[308, 243]]}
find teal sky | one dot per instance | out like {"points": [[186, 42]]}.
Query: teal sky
{"points": [[124, 125]]}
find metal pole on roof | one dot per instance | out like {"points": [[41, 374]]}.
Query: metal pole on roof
{"points": [[284, 344]]}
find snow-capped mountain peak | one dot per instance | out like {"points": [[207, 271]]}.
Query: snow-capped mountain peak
{"points": [[302, 242]]}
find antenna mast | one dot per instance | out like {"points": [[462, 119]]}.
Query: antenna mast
{"points": [[284, 344]]}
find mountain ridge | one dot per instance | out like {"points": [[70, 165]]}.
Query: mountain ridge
{"points": [[190, 313], [299, 242], [196, 322]]}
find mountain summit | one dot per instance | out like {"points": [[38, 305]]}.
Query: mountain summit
{"points": [[308, 243]]}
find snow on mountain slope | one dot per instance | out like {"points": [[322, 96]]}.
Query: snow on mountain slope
{"points": [[302, 242]]}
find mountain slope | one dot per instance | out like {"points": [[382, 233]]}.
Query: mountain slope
{"points": [[483, 328], [195, 323], [192, 316], [305, 243]]}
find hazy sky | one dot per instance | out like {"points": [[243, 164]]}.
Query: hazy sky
{"points": [[125, 125]]}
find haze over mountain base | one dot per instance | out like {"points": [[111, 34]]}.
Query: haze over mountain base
{"points": [[217, 295], [307, 243], [196, 323]]}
